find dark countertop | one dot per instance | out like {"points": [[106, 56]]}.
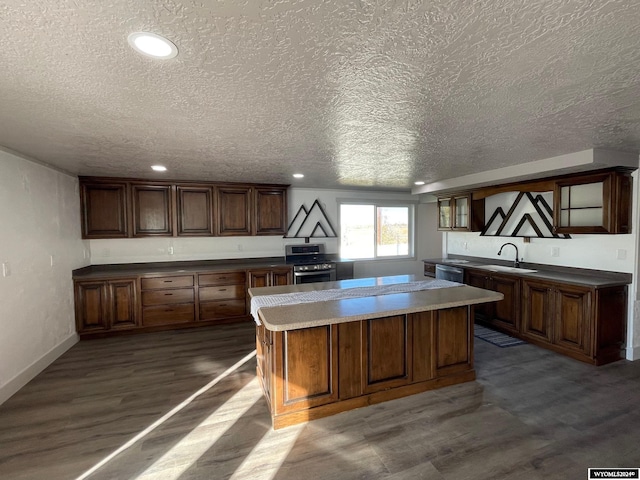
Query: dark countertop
{"points": [[174, 268], [571, 275]]}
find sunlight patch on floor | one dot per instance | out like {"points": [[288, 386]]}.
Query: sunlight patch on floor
{"points": [[167, 416], [198, 441]]}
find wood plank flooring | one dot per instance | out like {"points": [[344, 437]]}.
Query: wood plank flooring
{"points": [[531, 414]]}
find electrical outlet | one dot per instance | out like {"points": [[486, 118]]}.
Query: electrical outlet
{"points": [[170, 250], [51, 260], [621, 254], [6, 269], [465, 245], [240, 247], [555, 251]]}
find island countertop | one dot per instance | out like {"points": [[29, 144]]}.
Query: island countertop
{"points": [[315, 314]]}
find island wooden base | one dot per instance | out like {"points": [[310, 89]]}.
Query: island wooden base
{"points": [[316, 372]]}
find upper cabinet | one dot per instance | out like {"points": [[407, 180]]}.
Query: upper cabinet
{"points": [[460, 213], [123, 208], [104, 209], [270, 210], [194, 206], [152, 210], [599, 203], [234, 211]]}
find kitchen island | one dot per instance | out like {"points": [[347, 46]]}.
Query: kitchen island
{"points": [[323, 357]]}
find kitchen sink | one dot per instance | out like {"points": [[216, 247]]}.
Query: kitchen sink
{"points": [[502, 268]]}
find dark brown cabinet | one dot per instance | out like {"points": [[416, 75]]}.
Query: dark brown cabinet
{"points": [[597, 203], [270, 277], [104, 210], [460, 213], [270, 206], [537, 310], [152, 210], [504, 314], [234, 211], [103, 305], [125, 208], [222, 296], [194, 208], [167, 300]]}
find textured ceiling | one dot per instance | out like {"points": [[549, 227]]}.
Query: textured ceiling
{"points": [[350, 93]]}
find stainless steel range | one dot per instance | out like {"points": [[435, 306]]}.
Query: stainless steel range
{"points": [[310, 263]]}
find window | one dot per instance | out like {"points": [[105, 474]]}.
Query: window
{"points": [[376, 230]]}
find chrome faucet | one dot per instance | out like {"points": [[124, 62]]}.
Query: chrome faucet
{"points": [[517, 262]]}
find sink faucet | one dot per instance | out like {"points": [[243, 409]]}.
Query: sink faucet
{"points": [[517, 262]]}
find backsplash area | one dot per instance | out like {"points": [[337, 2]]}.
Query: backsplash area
{"points": [[602, 252]]}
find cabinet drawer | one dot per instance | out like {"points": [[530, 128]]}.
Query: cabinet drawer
{"points": [[167, 315], [167, 282], [222, 292], [167, 297], [222, 309], [229, 278]]}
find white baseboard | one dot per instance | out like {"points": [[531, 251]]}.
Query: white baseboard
{"points": [[29, 373], [633, 353]]}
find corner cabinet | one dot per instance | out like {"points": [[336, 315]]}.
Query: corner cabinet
{"points": [[104, 209], [460, 213], [126, 208], [598, 203], [104, 305]]}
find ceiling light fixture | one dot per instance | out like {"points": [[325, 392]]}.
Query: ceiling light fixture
{"points": [[298, 175], [419, 182], [152, 45], [158, 168]]}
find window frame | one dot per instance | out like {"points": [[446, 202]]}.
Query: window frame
{"points": [[376, 203]]}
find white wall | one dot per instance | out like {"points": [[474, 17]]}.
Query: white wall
{"points": [[600, 252], [137, 250], [40, 218]]}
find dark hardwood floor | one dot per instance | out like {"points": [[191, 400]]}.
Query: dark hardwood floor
{"points": [[167, 406]]}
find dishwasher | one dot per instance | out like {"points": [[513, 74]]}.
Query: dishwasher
{"points": [[447, 272]]}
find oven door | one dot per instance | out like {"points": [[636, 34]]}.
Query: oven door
{"points": [[312, 277]]}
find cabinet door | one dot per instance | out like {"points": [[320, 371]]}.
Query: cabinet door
{"points": [[123, 304], [506, 312], [477, 278], [461, 212], [151, 210], [281, 276], [263, 360], [453, 341], [270, 211], [573, 318], [445, 211], [306, 368], [104, 210], [386, 353], [537, 310], [91, 306], [259, 278], [234, 211], [194, 210]]}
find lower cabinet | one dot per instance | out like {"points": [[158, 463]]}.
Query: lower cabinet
{"points": [[270, 277], [582, 322], [504, 314], [103, 305], [222, 295], [319, 371], [168, 300]]}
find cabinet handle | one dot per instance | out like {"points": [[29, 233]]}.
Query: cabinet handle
{"points": [[223, 304], [168, 310], [222, 290], [168, 294], [168, 281]]}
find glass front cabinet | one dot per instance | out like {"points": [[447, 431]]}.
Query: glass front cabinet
{"points": [[597, 203], [460, 213]]}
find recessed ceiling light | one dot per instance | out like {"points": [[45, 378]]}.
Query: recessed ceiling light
{"points": [[298, 175], [152, 45], [158, 168], [419, 182]]}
